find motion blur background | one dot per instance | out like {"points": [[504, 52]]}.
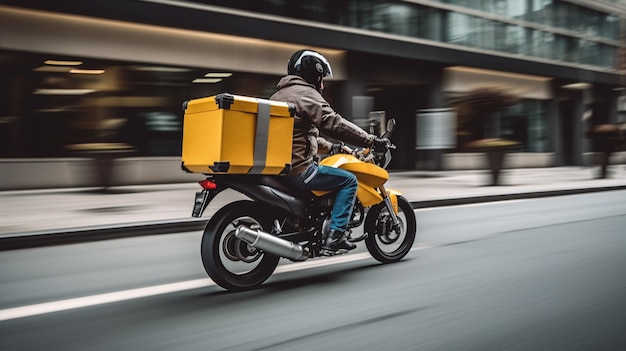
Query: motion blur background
{"points": [[81, 80]]}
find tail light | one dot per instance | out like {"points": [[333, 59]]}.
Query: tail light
{"points": [[207, 184]]}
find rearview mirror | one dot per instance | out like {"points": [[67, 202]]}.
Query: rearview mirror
{"points": [[391, 125]]}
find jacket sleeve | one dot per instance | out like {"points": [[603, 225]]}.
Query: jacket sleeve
{"points": [[332, 124], [323, 146]]}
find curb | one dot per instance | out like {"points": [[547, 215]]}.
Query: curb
{"points": [[34, 239], [514, 196], [98, 233]]}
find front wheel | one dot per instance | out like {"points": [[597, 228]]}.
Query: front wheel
{"points": [[230, 262], [385, 243]]}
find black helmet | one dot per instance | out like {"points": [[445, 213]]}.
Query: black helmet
{"points": [[310, 65]]}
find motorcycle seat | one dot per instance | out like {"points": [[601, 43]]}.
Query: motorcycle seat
{"points": [[281, 183]]}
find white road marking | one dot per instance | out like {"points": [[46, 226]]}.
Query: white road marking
{"points": [[125, 295], [87, 301]]}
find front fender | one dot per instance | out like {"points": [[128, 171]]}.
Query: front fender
{"points": [[369, 196]]}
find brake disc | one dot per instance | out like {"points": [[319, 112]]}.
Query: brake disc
{"points": [[386, 233]]}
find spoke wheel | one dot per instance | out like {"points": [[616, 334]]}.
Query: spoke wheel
{"points": [[230, 262], [384, 242]]}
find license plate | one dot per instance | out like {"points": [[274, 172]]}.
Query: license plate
{"points": [[199, 203]]}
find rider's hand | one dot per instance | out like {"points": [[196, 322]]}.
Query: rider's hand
{"points": [[336, 149], [381, 144]]}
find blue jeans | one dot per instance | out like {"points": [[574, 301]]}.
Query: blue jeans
{"points": [[329, 178]]}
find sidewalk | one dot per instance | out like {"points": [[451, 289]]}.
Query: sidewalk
{"points": [[149, 209]]}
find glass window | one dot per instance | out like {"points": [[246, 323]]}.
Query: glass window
{"points": [[572, 49], [135, 104], [599, 54], [609, 27], [485, 35], [429, 23], [509, 38], [537, 126], [506, 8], [541, 11], [515, 9], [559, 48], [472, 4], [526, 122], [471, 31], [488, 6], [413, 20], [588, 51], [609, 56], [541, 44], [365, 15], [458, 27], [396, 18]]}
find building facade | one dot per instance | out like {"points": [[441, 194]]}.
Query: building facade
{"points": [[82, 75]]}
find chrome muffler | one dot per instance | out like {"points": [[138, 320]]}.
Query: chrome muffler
{"points": [[270, 243]]}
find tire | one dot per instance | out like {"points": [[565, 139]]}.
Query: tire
{"points": [[384, 243], [231, 263]]}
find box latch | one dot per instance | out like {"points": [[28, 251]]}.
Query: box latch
{"points": [[224, 100]]}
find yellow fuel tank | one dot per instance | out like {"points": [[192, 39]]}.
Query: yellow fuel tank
{"points": [[367, 173]]}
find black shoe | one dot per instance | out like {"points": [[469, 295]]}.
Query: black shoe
{"points": [[337, 240]]}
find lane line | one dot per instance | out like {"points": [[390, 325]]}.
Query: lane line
{"points": [[125, 295], [100, 299]]}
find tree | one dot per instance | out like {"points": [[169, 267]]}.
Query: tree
{"points": [[475, 111], [607, 138]]}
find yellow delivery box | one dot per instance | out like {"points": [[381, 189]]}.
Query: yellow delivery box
{"points": [[235, 134]]}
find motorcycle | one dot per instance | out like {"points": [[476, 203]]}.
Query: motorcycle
{"points": [[244, 240]]}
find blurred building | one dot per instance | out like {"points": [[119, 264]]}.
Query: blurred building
{"points": [[79, 77]]}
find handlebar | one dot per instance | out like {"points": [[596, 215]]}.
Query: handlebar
{"points": [[369, 154], [380, 155], [387, 146]]}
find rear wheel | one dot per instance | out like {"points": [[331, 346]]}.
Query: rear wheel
{"points": [[230, 262], [385, 243]]}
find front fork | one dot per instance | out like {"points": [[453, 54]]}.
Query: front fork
{"points": [[390, 208]]}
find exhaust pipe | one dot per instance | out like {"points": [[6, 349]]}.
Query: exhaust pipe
{"points": [[272, 244]]}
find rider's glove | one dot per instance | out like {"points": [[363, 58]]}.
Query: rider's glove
{"points": [[337, 148], [381, 144]]}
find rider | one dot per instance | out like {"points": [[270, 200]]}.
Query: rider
{"points": [[302, 86]]}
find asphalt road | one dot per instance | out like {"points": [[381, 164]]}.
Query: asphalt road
{"points": [[542, 274]]}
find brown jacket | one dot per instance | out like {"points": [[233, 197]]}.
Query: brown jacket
{"points": [[314, 114]]}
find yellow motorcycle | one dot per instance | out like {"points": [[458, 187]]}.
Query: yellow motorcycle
{"points": [[244, 240]]}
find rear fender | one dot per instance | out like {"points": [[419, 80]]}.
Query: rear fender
{"points": [[258, 188], [272, 197]]}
